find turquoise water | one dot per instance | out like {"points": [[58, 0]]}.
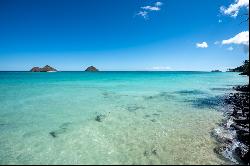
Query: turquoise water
{"points": [[146, 117]]}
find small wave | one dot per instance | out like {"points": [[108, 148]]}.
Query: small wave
{"points": [[230, 146]]}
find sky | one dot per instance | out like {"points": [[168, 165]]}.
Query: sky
{"points": [[70, 35]]}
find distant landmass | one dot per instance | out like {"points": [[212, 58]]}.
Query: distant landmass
{"points": [[46, 68], [92, 69], [216, 71], [244, 69]]}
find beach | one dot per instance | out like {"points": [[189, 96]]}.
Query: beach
{"points": [[112, 117]]}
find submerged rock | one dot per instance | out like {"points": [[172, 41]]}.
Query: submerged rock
{"points": [[92, 69], [191, 92], [62, 129], [219, 89], [151, 152], [53, 134], [153, 120], [100, 118], [146, 153], [134, 108], [154, 151]]}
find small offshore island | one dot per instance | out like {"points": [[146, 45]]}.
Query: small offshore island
{"points": [[216, 71], [46, 68], [92, 69]]}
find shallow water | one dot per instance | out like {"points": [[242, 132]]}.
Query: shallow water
{"points": [[144, 117]]}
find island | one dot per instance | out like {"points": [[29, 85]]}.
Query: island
{"points": [[91, 69], [243, 69], [46, 68], [216, 71]]}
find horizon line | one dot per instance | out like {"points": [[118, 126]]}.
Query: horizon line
{"points": [[115, 71]]}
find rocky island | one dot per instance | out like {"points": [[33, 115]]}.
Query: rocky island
{"points": [[92, 69], [46, 68]]}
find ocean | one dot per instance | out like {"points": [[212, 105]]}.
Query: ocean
{"points": [[112, 117]]}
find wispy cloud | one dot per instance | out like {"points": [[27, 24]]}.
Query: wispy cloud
{"points": [[143, 14], [219, 21], [241, 38], [233, 9], [161, 68], [202, 45], [147, 9], [230, 48], [151, 8]]}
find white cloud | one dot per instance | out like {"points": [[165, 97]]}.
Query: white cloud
{"points": [[241, 38], [233, 9], [202, 45], [144, 14], [158, 3], [147, 9], [220, 21], [151, 8], [161, 68], [230, 48]]}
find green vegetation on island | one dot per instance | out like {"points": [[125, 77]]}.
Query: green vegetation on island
{"points": [[244, 69]]}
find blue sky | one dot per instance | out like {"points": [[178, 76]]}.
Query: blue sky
{"points": [[115, 35]]}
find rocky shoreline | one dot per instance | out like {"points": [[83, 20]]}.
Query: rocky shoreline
{"points": [[233, 133]]}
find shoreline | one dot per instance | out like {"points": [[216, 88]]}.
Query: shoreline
{"points": [[233, 132]]}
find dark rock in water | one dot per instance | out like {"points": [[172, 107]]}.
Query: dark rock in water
{"points": [[238, 115], [191, 92], [46, 68], [208, 102], [154, 151], [153, 120], [53, 134], [244, 88], [149, 153], [91, 69], [244, 156], [161, 95], [243, 136], [100, 118], [146, 153], [134, 108], [62, 129], [219, 89], [57, 132], [220, 149], [150, 97]]}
